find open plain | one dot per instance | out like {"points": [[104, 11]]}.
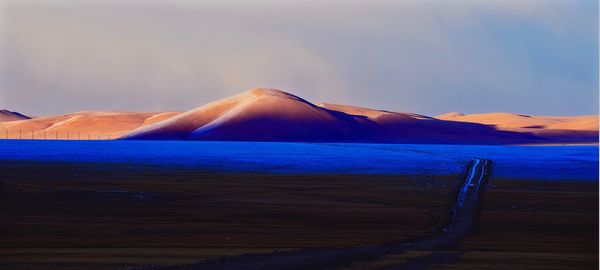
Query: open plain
{"points": [[105, 216], [128, 212]]}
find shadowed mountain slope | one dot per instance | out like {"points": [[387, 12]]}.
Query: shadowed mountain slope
{"points": [[261, 115], [582, 128], [273, 115], [6, 116]]}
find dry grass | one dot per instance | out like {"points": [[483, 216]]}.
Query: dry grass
{"points": [[111, 216]]}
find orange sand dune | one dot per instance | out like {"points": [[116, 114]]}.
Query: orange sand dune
{"points": [[273, 115], [416, 128], [256, 115], [512, 121], [554, 128], [80, 125], [372, 113]]}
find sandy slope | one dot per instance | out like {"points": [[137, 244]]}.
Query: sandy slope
{"points": [[564, 128], [273, 115], [6, 115], [519, 121], [258, 115], [80, 125]]}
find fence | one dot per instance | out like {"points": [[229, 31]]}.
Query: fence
{"points": [[46, 135]]}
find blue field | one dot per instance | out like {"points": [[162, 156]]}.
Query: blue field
{"points": [[568, 163]]}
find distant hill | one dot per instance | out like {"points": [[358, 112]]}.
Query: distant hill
{"points": [[80, 125], [273, 115], [6, 115], [259, 115], [556, 128], [521, 121]]}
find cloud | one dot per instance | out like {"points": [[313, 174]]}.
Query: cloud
{"points": [[423, 56]]}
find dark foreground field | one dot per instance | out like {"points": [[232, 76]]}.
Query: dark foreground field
{"points": [[523, 224], [535, 225], [108, 216], [67, 216]]}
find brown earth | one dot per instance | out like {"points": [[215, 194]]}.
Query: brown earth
{"points": [[524, 224], [66, 216], [535, 225], [100, 216]]}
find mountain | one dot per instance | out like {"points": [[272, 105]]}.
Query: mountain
{"points": [[511, 121], [260, 115], [6, 116], [273, 115], [554, 128], [81, 125]]}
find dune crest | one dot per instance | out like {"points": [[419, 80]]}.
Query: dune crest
{"points": [[264, 114], [259, 114], [79, 125], [6, 116], [516, 121]]}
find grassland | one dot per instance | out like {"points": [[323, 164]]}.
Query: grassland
{"points": [[524, 224], [111, 216], [103, 216]]}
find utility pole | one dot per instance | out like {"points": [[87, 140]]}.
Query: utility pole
{"points": [[19, 134], [44, 135], [32, 134]]}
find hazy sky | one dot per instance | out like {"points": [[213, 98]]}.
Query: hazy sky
{"points": [[429, 57]]}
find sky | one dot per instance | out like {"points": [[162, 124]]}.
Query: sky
{"points": [[425, 56]]}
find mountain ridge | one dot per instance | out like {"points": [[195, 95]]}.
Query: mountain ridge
{"points": [[7, 116], [263, 114], [273, 115]]}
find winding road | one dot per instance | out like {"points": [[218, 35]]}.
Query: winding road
{"points": [[465, 210], [463, 217]]}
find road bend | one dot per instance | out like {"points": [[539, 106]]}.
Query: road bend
{"points": [[462, 219], [464, 213]]}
